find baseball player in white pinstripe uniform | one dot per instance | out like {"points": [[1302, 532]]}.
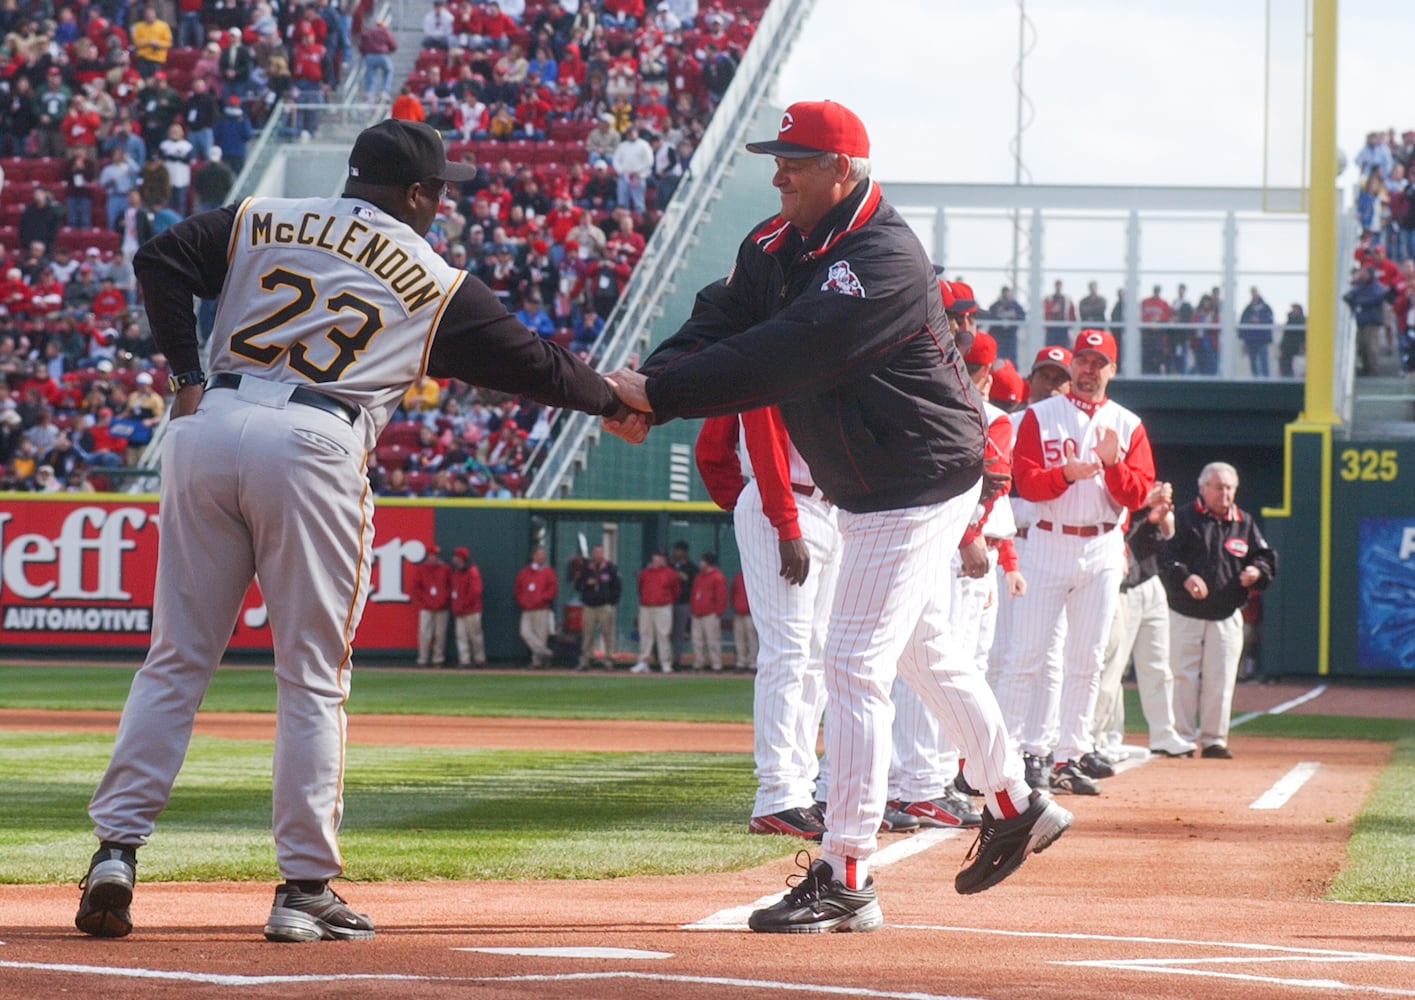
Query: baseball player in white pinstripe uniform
{"points": [[1050, 376], [1084, 462], [790, 549], [832, 313], [329, 309]]}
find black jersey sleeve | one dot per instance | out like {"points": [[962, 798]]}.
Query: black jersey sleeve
{"points": [[479, 342], [189, 259]]}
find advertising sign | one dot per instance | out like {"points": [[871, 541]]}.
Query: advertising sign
{"points": [[1385, 613], [81, 575]]}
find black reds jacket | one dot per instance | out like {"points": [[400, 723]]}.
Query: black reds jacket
{"points": [[1217, 550], [844, 330]]}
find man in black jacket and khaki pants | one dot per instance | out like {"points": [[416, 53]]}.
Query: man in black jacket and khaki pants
{"points": [[1216, 556]]}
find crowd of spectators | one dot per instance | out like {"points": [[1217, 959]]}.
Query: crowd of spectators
{"points": [[1381, 292], [1178, 335], [117, 119], [583, 116]]}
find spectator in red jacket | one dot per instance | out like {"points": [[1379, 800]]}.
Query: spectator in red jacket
{"points": [[432, 596], [707, 604], [744, 630], [658, 590], [536, 587], [466, 609]]}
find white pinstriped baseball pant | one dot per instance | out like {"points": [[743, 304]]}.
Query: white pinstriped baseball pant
{"points": [[925, 758], [891, 615], [1072, 585], [788, 691]]}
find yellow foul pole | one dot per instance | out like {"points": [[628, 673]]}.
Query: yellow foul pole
{"points": [[1321, 220]]}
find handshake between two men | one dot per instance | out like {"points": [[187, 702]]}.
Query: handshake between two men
{"points": [[635, 417]]}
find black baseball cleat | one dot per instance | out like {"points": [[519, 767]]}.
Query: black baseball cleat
{"points": [[804, 823], [1217, 751], [1067, 779], [1095, 765], [962, 787], [817, 903], [1003, 844], [944, 811], [108, 891], [299, 915], [896, 820], [1164, 752]]}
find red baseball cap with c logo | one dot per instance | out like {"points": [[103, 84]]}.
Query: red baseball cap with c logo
{"points": [[810, 128], [1099, 341]]}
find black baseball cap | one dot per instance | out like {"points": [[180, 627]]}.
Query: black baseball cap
{"points": [[398, 153]]}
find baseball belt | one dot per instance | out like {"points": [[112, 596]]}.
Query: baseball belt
{"points": [[1079, 530], [305, 397], [813, 492]]}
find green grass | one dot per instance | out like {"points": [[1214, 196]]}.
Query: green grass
{"points": [[410, 813], [1380, 858], [422, 813], [377, 691]]}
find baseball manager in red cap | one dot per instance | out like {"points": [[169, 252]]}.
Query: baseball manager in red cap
{"points": [[832, 312]]}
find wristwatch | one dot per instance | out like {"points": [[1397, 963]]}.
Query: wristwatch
{"points": [[194, 377]]}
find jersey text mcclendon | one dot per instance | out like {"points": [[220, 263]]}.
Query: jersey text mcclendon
{"points": [[354, 241]]}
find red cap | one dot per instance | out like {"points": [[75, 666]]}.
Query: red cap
{"points": [[964, 302], [461, 552], [945, 289], [809, 128], [1053, 355], [984, 349], [1099, 341], [1007, 385]]}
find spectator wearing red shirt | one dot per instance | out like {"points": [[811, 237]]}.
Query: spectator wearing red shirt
{"points": [[625, 240], [1154, 338], [15, 294], [744, 630], [110, 302], [706, 605], [536, 587], [80, 126], [407, 107], [658, 590], [467, 609], [625, 14], [432, 596]]}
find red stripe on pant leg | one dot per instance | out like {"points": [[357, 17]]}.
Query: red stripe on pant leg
{"points": [[850, 878], [1005, 806]]}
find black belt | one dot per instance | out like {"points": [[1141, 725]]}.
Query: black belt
{"points": [[305, 397]]}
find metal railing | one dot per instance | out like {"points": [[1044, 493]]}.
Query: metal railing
{"points": [[627, 330]]}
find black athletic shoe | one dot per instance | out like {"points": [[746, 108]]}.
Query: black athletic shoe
{"points": [[1095, 765], [107, 892], [944, 811], [1217, 752], [961, 786], [1163, 752], [817, 903], [1067, 778], [314, 916], [1036, 767], [1003, 844], [896, 820], [804, 823]]}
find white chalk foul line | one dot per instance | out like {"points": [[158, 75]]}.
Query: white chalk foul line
{"points": [[1285, 787], [210, 979], [1286, 706], [734, 918]]}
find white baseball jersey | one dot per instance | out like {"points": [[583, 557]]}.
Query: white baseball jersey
{"points": [[364, 338], [1042, 436]]}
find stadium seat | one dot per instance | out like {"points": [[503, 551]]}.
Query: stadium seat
{"points": [[9, 235], [48, 170], [181, 60], [79, 240], [17, 168], [417, 480], [401, 432]]}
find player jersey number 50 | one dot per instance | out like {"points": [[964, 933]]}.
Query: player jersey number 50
{"points": [[245, 341]]}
